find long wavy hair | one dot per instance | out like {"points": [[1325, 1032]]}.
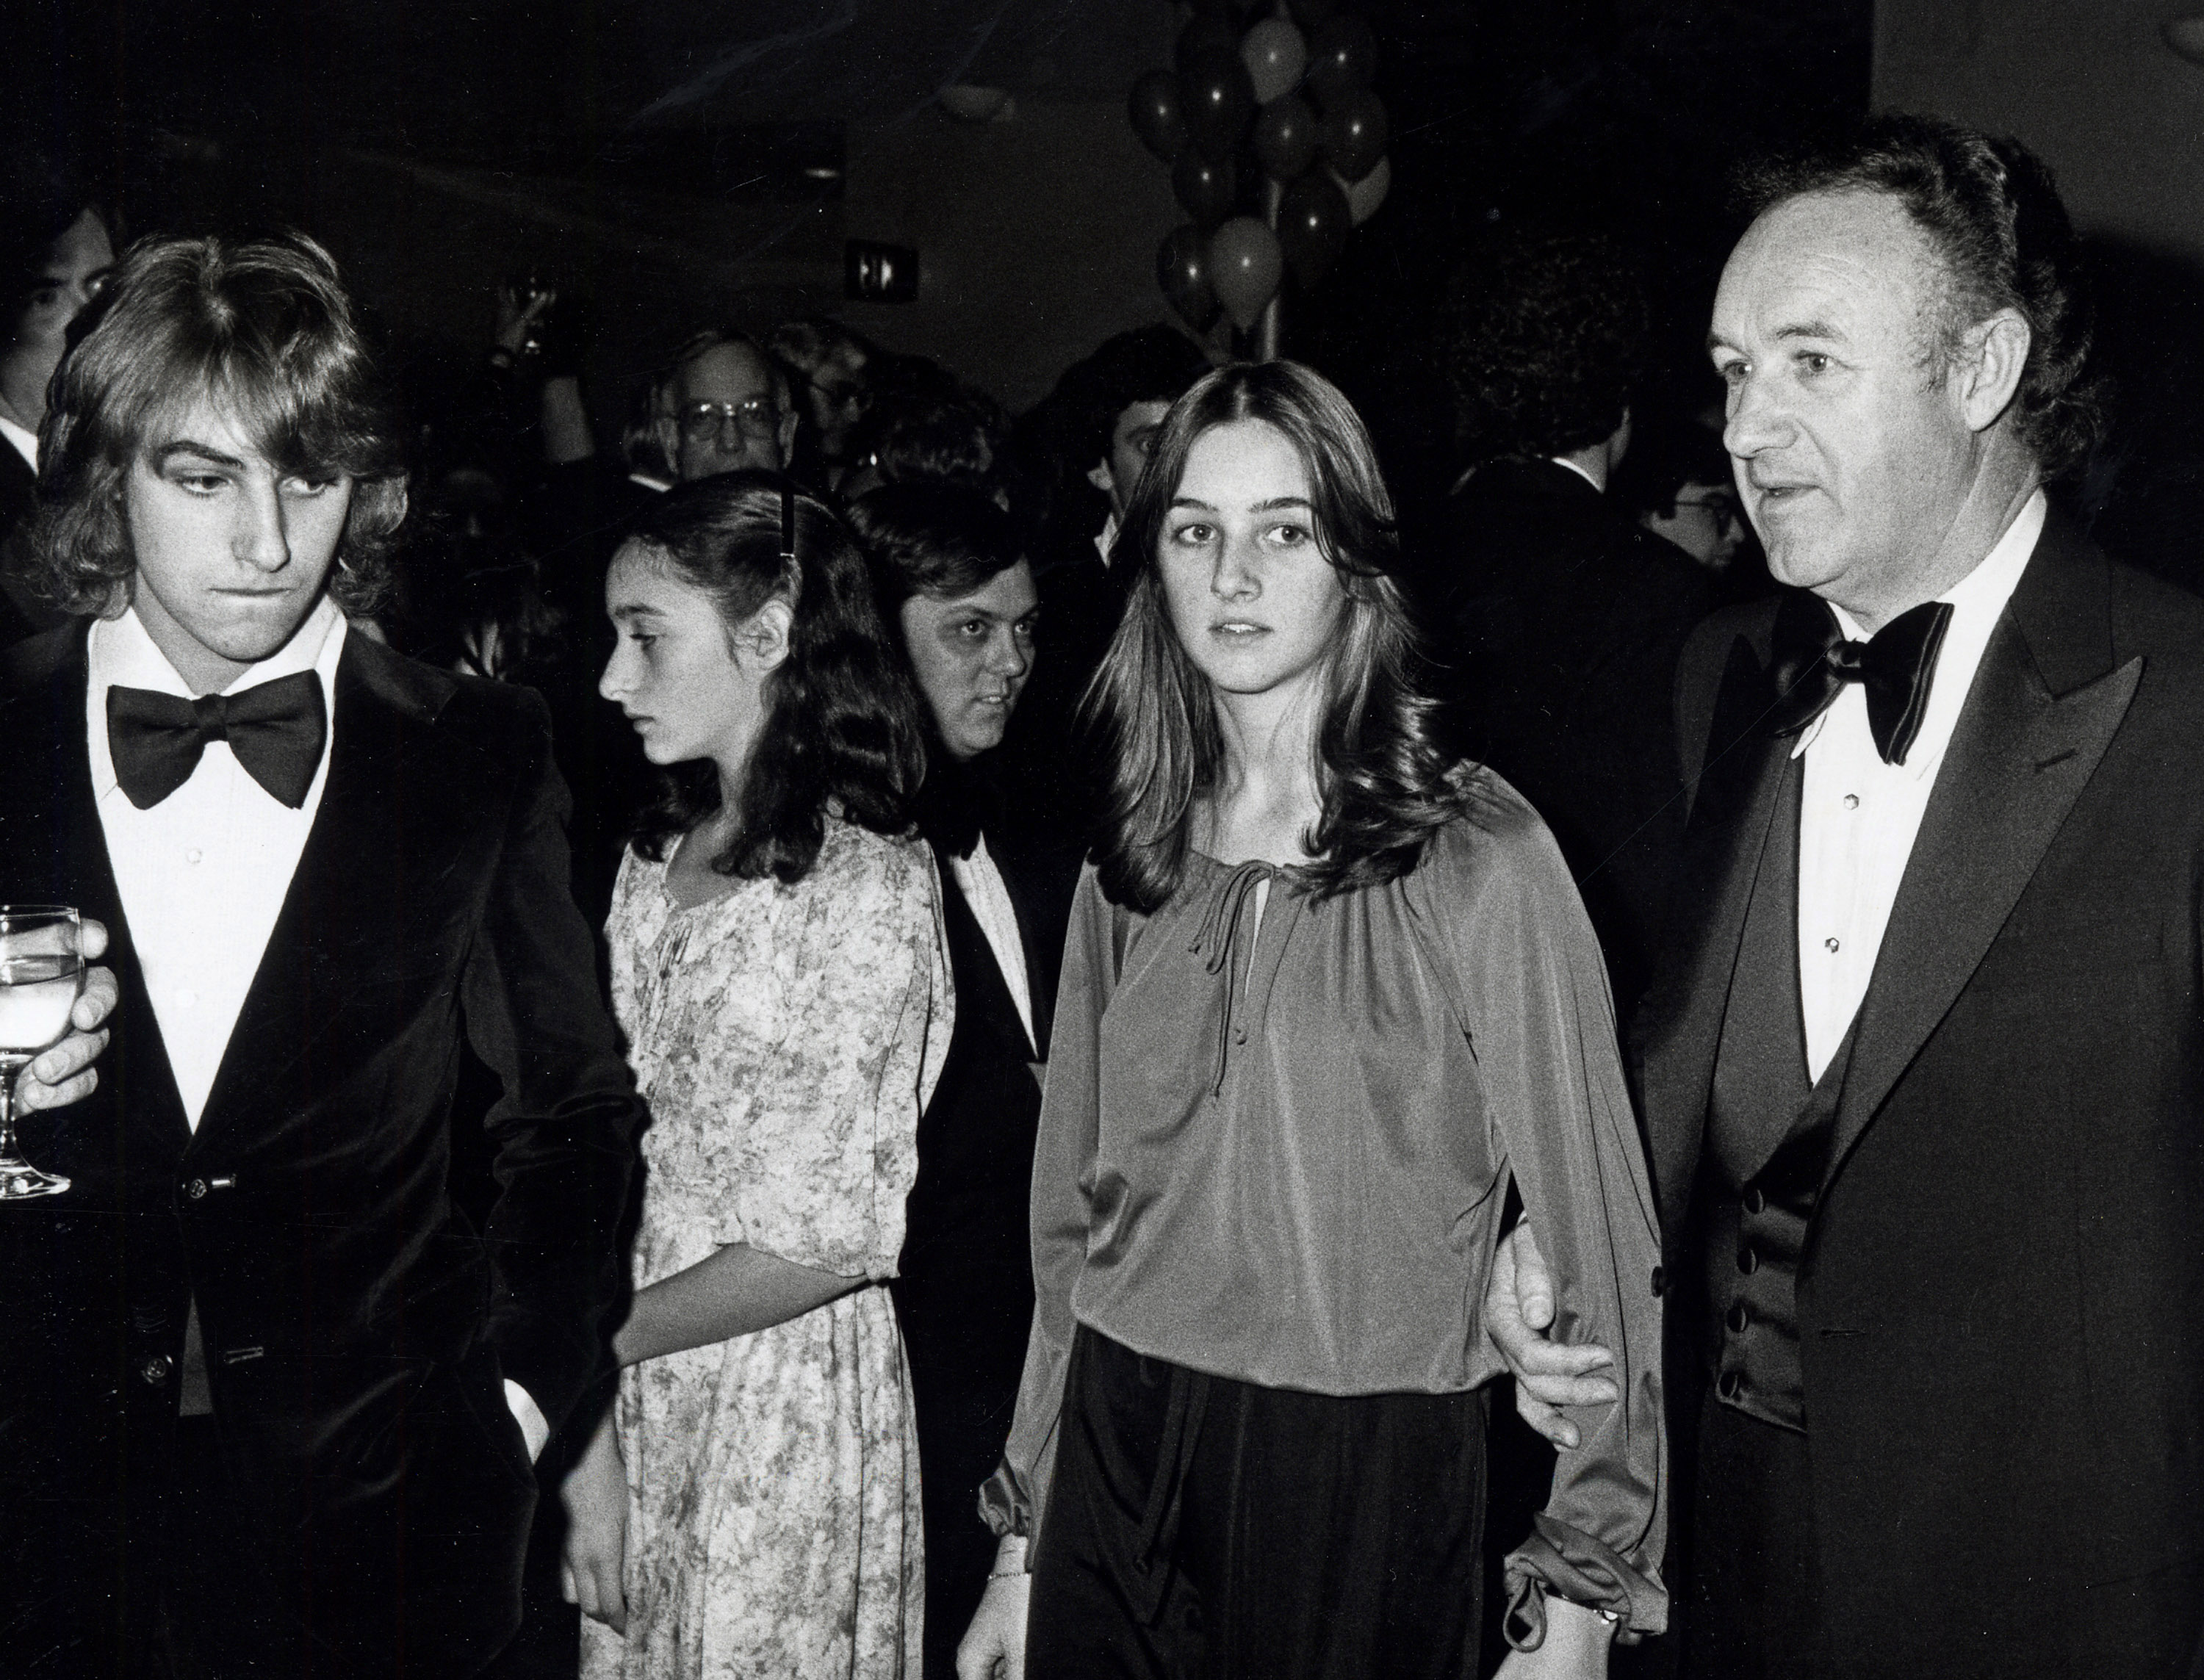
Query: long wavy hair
{"points": [[265, 331], [1383, 778], [841, 731]]}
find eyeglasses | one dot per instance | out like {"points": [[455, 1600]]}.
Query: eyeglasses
{"points": [[754, 417]]}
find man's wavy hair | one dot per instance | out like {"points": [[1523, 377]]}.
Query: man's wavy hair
{"points": [[1992, 215], [841, 731], [265, 331], [1547, 334], [1382, 774]]}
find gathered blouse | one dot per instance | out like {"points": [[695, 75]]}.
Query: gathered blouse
{"points": [[1276, 1144]]}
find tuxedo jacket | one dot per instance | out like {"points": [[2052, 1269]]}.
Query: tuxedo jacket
{"points": [[357, 1328], [2001, 1293]]}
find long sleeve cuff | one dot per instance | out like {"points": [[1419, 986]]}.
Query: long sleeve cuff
{"points": [[1558, 1558], [1006, 1505]]}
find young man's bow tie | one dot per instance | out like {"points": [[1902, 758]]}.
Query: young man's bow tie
{"points": [[275, 729]]}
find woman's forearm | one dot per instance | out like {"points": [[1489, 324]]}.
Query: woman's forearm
{"points": [[732, 1291]]}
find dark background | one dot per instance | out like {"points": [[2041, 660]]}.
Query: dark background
{"points": [[683, 164]]}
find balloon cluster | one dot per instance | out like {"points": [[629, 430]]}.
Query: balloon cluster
{"points": [[1286, 102]]}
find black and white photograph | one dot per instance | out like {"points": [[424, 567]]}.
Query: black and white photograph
{"points": [[1102, 840]]}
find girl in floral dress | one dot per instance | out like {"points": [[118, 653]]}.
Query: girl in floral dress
{"points": [[778, 968]]}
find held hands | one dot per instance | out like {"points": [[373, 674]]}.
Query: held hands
{"points": [[1575, 1647], [1519, 1310], [64, 1074], [994, 1647], [594, 1494]]}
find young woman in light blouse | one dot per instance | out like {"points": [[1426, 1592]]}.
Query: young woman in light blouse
{"points": [[1325, 992]]}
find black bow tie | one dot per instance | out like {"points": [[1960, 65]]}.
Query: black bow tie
{"points": [[276, 729], [1814, 661]]}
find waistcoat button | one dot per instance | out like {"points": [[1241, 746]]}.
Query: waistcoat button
{"points": [[1738, 1317], [1731, 1385], [155, 1371], [1748, 1258], [1756, 1200]]}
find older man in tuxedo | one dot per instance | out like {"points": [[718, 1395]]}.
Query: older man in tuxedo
{"points": [[268, 1401], [1923, 1067]]}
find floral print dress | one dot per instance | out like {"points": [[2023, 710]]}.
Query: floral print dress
{"points": [[786, 1038]]}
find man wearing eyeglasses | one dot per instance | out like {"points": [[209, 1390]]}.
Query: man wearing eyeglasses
{"points": [[723, 407]]}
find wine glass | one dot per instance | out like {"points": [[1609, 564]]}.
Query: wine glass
{"points": [[41, 972]]}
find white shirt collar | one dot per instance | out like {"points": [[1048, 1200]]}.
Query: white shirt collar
{"points": [[1977, 600], [1564, 461], [119, 651], [26, 441], [1108, 537]]}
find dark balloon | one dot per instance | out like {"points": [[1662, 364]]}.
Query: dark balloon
{"points": [[1205, 186], [1203, 38], [1183, 272], [1245, 265], [1159, 114], [1310, 13], [1285, 138], [1276, 53], [1342, 55], [1220, 100], [1353, 134], [1313, 221]]}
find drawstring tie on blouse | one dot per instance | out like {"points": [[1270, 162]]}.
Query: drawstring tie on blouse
{"points": [[1220, 927]]}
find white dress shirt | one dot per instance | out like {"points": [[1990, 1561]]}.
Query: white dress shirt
{"points": [[204, 873], [24, 442], [1859, 817], [981, 884]]}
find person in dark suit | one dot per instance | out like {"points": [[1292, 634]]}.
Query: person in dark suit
{"points": [[1096, 428], [270, 1400], [1920, 1069], [1556, 618], [56, 245], [951, 578]]}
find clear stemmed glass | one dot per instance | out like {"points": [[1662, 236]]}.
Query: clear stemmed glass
{"points": [[41, 972]]}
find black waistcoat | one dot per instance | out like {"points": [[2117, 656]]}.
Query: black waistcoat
{"points": [[1768, 1135]]}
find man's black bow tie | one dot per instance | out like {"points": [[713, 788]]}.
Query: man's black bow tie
{"points": [[276, 730], [1813, 662]]}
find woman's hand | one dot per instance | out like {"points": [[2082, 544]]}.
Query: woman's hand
{"points": [[994, 1647], [594, 1494], [1575, 1647]]}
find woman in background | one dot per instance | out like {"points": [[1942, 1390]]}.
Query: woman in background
{"points": [[778, 969], [1325, 993], [951, 578]]}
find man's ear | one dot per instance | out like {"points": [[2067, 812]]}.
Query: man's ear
{"points": [[762, 641], [1103, 479], [667, 430], [1992, 359], [786, 435]]}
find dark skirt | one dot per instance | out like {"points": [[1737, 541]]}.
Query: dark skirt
{"points": [[1203, 1526]]}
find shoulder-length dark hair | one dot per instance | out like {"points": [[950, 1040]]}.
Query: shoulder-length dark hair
{"points": [[264, 330], [841, 729], [1380, 770]]}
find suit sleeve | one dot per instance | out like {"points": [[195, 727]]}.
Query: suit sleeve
{"points": [[535, 1014], [1542, 1026], [1016, 1497]]}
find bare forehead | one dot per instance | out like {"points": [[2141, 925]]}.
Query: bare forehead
{"points": [[726, 373], [1848, 258]]}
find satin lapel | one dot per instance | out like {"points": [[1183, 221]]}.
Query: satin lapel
{"points": [[2018, 759], [1723, 842], [338, 915]]}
